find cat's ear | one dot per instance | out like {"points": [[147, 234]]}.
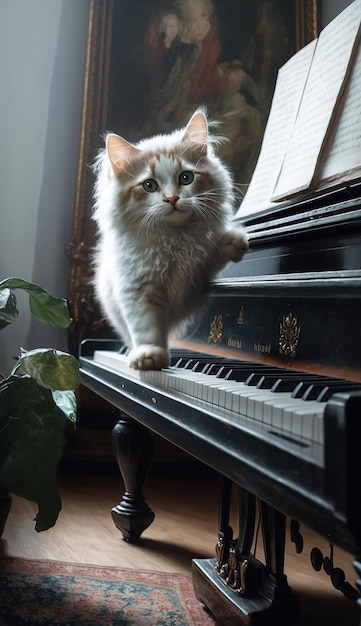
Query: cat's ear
{"points": [[197, 132], [120, 152]]}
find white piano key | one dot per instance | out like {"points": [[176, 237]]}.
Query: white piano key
{"points": [[318, 432], [303, 414]]}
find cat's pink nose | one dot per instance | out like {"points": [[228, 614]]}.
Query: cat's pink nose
{"points": [[171, 199]]}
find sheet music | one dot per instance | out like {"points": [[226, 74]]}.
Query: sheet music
{"points": [[290, 84], [342, 154], [327, 74]]}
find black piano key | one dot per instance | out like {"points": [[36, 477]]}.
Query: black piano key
{"points": [[214, 369], [179, 354], [287, 381], [326, 395], [191, 363], [229, 373], [249, 374], [323, 393], [229, 370], [313, 391], [322, 388], [205, 364], [283, 385], [265, 377], [179, 362], [302, 388], [196, 362], [201, 367], [239, 364], [253, 379], [180, 357]]}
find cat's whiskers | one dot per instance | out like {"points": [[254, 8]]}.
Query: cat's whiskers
{"points": [[150, 221], [239, 190], [211, 190], [139, 218], [213, 197], [203, 209]]}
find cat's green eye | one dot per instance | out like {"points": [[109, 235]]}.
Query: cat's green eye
{"points": [[150, 185], [186, 178]]}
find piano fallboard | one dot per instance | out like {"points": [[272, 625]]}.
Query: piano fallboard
{"points": [[295, 475], [298, 320]]}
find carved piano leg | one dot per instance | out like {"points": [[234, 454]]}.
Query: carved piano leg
{"points": [[5, 506], [134, 448], [225, 532], [285, 603], [236, 587]]}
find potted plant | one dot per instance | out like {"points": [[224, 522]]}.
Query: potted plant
{"points": [[36, 400]]}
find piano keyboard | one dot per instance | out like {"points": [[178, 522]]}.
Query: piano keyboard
{"points": [[288, 400]]}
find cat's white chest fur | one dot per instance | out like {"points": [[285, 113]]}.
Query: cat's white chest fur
{"points": [[175, 263], [178, 257]]}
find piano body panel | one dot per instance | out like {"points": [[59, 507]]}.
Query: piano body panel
{"points": [[283, 473]]}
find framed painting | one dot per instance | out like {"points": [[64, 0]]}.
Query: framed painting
{"points": [[151, 63]]}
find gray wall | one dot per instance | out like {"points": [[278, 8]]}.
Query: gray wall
{"points": [[42, 54], [42, 57]]}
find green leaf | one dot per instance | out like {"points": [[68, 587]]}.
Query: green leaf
{"points": [[45, 307], [8, 310], [50, 368], [66, 402], [31, 445]]}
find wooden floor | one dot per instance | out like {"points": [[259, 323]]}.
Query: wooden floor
{"points": [[185, 527]]}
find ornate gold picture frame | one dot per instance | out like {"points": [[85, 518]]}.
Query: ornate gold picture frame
{"points": [[128, 90]]}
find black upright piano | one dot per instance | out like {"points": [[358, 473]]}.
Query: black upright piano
{"points": [[266, 390]]}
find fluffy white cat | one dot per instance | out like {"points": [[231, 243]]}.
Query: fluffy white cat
{"points": [[163, 209]]}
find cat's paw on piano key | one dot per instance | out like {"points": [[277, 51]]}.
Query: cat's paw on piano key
{"points": [[148, 357], [234, 244]]}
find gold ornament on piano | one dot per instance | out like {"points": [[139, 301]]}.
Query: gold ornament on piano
{"points": [[234, 570], [240, 319], [289, 336], [219, 554], [216, 330]]}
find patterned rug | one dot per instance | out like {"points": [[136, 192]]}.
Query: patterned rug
{"points": [[51, 593]]}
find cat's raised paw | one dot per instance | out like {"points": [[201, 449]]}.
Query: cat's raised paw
{"points": [[148, 357], [234, 244]]}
